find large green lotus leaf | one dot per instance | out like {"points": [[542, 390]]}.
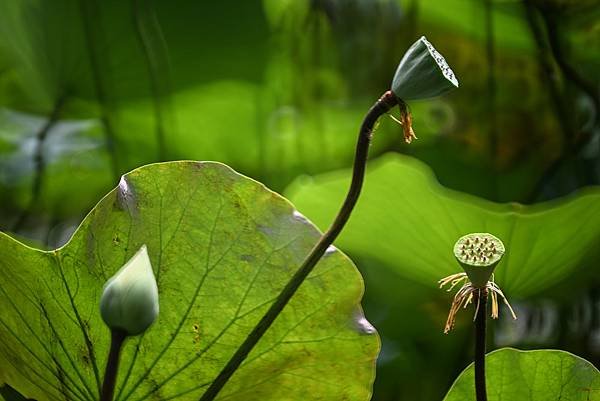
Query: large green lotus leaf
{"points": [[222, 247], [540, 375], [409, 223]]}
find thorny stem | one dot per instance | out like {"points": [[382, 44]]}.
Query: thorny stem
{"points": [[112, 365], [480, 300], [383, 105]]}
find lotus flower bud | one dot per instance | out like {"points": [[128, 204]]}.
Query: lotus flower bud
{"points": [[423, 73], [478, 254], [130, 298]]}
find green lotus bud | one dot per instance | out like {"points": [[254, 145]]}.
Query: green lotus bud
{"points": [[130, 298], [423, 73], [478, 254]]}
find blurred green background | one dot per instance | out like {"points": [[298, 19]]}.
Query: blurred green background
{"points": [[277, 89]]}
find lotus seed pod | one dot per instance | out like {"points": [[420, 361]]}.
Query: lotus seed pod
{"points": [[478, 254], [423, 73], [130, 298]]}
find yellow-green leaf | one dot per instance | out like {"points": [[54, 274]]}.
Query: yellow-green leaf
{"points": [[541, 375], [222, 246], [408, 222]]}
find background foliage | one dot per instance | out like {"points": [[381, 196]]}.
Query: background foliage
{"points": [[91, 89]]}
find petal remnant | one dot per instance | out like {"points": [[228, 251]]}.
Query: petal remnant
{"points": [[464, 296]]}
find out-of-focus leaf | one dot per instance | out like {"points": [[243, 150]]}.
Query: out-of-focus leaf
{"points": [[510, 28], [222, 247], [540, 375], [409, 223], [72, 46], [69, 167], [164, 81]]}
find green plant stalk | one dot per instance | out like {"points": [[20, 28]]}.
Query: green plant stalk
{"points": [[112, 365], [382, 106], [480, 298]]}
